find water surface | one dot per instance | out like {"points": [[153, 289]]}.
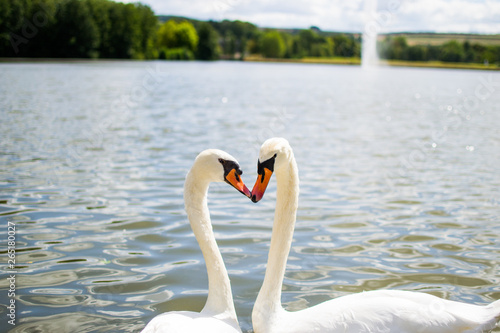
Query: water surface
{"points": [[399, 174]]}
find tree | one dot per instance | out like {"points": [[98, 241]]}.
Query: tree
{"points": [[12, 14], [395, 48], [166, 34], [123, 33], [26, 27], [237, 37], [433, 52], [273, 45], [177, 40], [208, 47], [229, 43], [77, 33], [345, 46], [178, 35], [452, 51], [253, 45], [417, 53], [99, 10], [491, 54], [307, 38], [296, 49], [311, 43], [187, 36], [147, 27]]}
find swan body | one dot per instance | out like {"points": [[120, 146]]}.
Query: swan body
{"points": [[187, 321], [380, 311], [218, 315]]}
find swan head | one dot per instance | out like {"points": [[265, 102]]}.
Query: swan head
{"points": [[274, 154], [218, 166]]}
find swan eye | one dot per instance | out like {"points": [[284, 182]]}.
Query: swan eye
{"points": [[269, 165], [221, 161]]}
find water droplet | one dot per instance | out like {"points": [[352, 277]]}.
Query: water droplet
{"points": [[470, 148], [224, 100]]}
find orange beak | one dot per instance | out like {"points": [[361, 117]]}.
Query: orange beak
{"points": [[261, 184], [235, 180]]}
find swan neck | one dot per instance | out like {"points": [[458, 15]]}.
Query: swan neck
{"points": [[269, 298], [220, 298]]}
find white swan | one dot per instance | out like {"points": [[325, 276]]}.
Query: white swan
{"points": [[373, 311], [218, 315]]}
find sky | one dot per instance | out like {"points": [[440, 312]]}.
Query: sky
{"points": [[458, 16]]}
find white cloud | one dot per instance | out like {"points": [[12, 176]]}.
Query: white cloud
{"points": [[345, 15], [448, 16]]}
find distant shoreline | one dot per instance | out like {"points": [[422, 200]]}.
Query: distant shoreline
{"points": [[306, 60], [391, 63], [439, 64]]}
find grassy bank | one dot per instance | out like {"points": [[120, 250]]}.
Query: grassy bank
{"points": [[308, 60], [357, 61], [439, 64]]}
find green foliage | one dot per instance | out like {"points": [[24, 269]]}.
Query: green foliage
{"points": [[12, 13], [147, 27], [452, 51], [309, 43], [166, 34], [273, 45], [76, 28], [208, 47], [253, 46], [417, 53], [346, 46], [99, 10], [237, 37], [22, 21], [397, 48], [178, 35], [76, 31], [322, 49], [307, 38], [179, 53], [124, 33], [187, 35]]}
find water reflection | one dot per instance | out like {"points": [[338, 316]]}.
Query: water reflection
{"points": [[392, 194]]}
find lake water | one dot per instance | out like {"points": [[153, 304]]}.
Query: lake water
{"points": [[399, 169]]}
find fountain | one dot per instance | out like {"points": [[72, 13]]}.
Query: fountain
{"points": [[369, 56]]}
